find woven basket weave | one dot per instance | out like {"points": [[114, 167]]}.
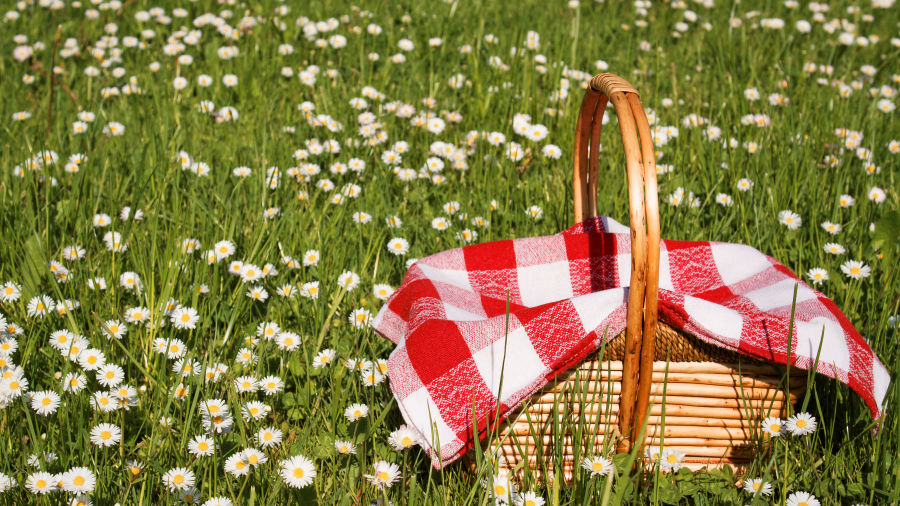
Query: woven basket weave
{"points": [[715, 399]]}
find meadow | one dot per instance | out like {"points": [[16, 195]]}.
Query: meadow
{"points": [[203, 204]]}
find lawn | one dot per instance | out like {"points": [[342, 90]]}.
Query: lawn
{"points": [[204, 204]]}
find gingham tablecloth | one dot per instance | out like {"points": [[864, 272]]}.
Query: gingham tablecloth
{"points": [[524, 310]]}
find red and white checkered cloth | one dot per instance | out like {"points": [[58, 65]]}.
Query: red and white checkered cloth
{"points": [[565, 293]]}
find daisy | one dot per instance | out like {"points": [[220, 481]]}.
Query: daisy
{"points": [[529, 499], [876, 195], [348, 280], [402, 438], [113, 329], [41, 483], [344, 447], [856, 269], [255, 410], [106, 434], [311, 257], [269, 436], [13, 386], [7, 483], [213, 407], [271, 385], [597, 466], [45, 402], [846, 201], [534, 212], [10, 292], [671, 460], [245, 357], [237, 465], [773, 426], [801, 424], [223, 250], [40, 306], [78, 480], [356, 411], [440, 223], [91, 359], [254, 457], [744, 185], [382, 291], [323, 358], [102, 401], [268, 330], [258, 293], [831, 228], [178, 478], [754, 486], [218, 501], [250, 273], [136, 314], [398, 246], [202, 446], [245, 384], [384, 474], [74, 382], [360, 318], [790, 219], [287, 341], [817, 275], [834, 248], [110, 375], [502, 488], [297, 471], [802, 499]]}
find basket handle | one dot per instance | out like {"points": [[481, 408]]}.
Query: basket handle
{"points": [[640, 163]]}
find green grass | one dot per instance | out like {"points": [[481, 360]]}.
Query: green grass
{"points": [[702, 71]]}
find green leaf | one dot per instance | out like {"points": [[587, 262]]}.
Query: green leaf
{"points": [[886, 238]]}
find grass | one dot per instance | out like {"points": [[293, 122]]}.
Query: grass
{"points": [[800, 164]]}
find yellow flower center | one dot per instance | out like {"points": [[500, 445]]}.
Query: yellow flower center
{"points": [[801, 423], [45, 401], [178, 479], [78, 481], [298, 472], [40, 484], [499, 490], [775, 427], [202, 446]]}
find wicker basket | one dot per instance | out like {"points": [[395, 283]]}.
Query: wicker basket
{"points": [[714, 398]]}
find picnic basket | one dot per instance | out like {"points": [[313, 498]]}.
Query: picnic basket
{"points": [[698, 399]]}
